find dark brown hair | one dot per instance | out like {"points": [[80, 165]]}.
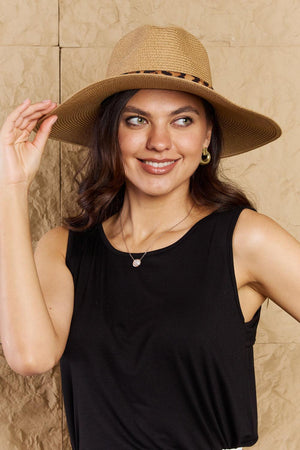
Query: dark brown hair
{"points": [[101, 189]]}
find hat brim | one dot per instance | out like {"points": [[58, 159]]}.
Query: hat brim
{"points": [[242, 129]]}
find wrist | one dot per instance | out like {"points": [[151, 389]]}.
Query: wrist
{"points": [[13, 197], [14, 188]]}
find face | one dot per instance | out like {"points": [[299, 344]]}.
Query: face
{"points": [[161, 137]]}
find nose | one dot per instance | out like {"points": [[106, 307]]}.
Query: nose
{"points": [[159, 138]]}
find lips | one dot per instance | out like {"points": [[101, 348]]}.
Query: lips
{"points": [[158, 167]]}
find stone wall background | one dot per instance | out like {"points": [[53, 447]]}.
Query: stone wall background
{"points": [[50, 49]]}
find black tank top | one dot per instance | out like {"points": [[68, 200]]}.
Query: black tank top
{"points": [[159, 357]]}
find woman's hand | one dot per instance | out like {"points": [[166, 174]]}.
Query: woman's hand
{"points": [[20, 158]]}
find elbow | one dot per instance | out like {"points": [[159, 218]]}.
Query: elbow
{"points": [[29, 365], [27, 370]]}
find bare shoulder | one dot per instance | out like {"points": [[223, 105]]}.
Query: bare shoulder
{"points": [[254, 222], [254, 232], [267, 257]]}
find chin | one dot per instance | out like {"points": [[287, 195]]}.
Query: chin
{"points": [[160, 186], [154, 192], [158, 190]]}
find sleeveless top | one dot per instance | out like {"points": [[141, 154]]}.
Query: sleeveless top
{"points": [[159, 356]]}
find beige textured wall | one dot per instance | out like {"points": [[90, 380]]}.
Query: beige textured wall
{"points": [[51, 48]]}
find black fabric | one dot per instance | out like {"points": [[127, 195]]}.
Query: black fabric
{"points": [[159, 357]]}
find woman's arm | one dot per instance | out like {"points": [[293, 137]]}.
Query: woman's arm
{"points": [[267, 258], [35, 303]]}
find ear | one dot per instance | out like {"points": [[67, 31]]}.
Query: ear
{"points": [[208, 135]]}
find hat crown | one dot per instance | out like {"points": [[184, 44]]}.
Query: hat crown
{"points": [[160, 48]]}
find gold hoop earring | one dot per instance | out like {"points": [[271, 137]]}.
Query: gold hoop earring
{"points": [[205, 157]]}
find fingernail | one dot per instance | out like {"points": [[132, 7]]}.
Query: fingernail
{"points": [[27, 99], [54, 120], [46, 101]]}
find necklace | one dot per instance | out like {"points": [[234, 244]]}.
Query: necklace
{"points": [[136, 262]]}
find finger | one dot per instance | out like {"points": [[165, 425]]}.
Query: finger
{"points": [[13, 116], [14, 119], [23, 122], [19, 109], [45, 105], [31, 125], [43, 133], [34, 112]]}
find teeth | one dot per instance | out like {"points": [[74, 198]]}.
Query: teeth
{"points": [[161, 164]]}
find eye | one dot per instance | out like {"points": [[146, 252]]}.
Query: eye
{"points": [[135, 120], [183, 121]]}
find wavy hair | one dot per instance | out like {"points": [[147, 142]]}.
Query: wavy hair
{"points": [[102, 187]]}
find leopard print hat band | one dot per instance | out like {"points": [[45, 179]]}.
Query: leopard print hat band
{"points": [[182, 75]]}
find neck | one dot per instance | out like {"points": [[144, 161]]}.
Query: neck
{"points": [[143, 217]]}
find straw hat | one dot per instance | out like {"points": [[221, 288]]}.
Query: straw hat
{"points": [[161, 58]]}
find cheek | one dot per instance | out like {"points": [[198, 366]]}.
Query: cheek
{"points": [[129, 143], [193, 145], [122, 141]]}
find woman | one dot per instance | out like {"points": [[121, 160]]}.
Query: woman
{"points": [[150, 297]]}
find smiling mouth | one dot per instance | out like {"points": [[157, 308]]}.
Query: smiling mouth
{"points": [[158, 164], [156, 167]]}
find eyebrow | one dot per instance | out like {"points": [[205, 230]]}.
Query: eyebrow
{"points": [[141, 112]]}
